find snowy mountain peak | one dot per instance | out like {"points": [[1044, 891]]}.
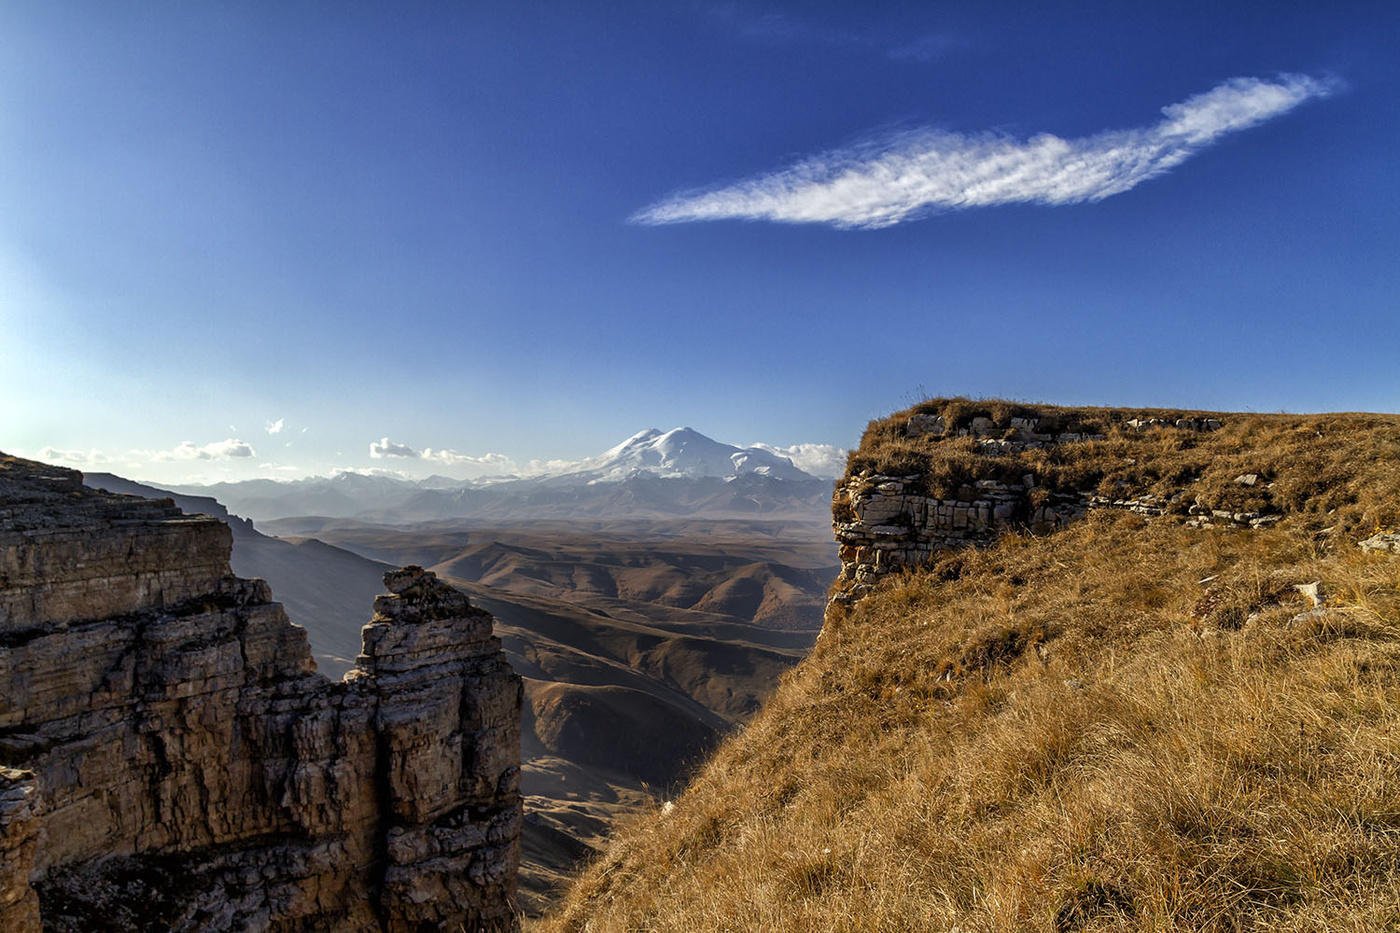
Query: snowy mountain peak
{"points": [[684, 452], [640, 439]]}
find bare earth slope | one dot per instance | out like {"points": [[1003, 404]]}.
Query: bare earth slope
{"points": [[772, 573], [1128, 723]]}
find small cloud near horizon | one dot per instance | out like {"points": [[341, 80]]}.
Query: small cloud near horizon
{"points": [[824, 460], [487, 463], [492, 461], [275, 427], [891, 179], [55, 455], [229, 449], [385, 448]]}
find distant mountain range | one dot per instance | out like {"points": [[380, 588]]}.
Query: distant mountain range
{"points": [[652, 473]]}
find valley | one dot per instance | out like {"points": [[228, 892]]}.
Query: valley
{"points": [[641, 640]]}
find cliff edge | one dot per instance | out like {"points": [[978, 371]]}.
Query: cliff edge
{"points": [[169, 759], [954, 473], [1085, 669]]}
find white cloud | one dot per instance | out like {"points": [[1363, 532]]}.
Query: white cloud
{"points": [[824, 460], [229, 449], [383, 448], [499, 463], [452, 460], [910, 174], [275, 427], [55, 455], [549, 467]]}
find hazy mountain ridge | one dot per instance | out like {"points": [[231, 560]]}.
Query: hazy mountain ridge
{"points": [[678, 472]]}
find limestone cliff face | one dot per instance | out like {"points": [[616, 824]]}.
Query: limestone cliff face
{"points": [[169, 759]]}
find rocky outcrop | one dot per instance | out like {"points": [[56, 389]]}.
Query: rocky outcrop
{"points": [[887, 523], [169, 759], [884, 524]]}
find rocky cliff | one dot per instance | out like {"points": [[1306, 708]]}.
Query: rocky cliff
{"points": [[169, 759], [1175, 708], [950, 473]]}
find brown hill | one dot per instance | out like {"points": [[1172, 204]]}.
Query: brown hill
{"points": [[773, 574]]}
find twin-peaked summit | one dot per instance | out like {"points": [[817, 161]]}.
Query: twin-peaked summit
{"points": [[682, 452]]}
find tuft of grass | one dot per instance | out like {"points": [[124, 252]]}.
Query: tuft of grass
{"points": [[1127, 725]]}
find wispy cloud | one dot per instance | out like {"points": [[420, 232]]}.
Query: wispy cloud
{"points": [[275, 427], [907, 175]]}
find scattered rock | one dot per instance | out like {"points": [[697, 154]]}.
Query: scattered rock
{"points": [[1312, 592], [1382, 541]]}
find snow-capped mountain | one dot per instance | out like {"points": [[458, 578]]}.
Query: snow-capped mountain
{"points": [[681, 452], [676, 472]]}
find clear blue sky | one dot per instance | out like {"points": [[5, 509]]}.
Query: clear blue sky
{"points": [[437, 223]]}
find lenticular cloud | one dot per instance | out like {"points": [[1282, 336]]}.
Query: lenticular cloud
{"points": [[901, 177]]}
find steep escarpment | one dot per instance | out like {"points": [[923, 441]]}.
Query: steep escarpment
{"points": [[1138, 718], [169, 759]]}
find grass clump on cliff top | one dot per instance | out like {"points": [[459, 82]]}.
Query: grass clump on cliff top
{"points": [[1336, 472], [1127, 725]]}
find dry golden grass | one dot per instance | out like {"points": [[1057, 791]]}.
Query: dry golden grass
{"points": [[1128, 725]]}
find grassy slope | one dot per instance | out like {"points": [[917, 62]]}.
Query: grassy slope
{"points": [[1126, 725]]}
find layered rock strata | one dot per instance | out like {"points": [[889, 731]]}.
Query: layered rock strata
{"points": [[169, 759], [887, 523]]}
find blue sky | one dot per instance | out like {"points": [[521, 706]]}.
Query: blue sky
{"points": [[440, 224]]}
